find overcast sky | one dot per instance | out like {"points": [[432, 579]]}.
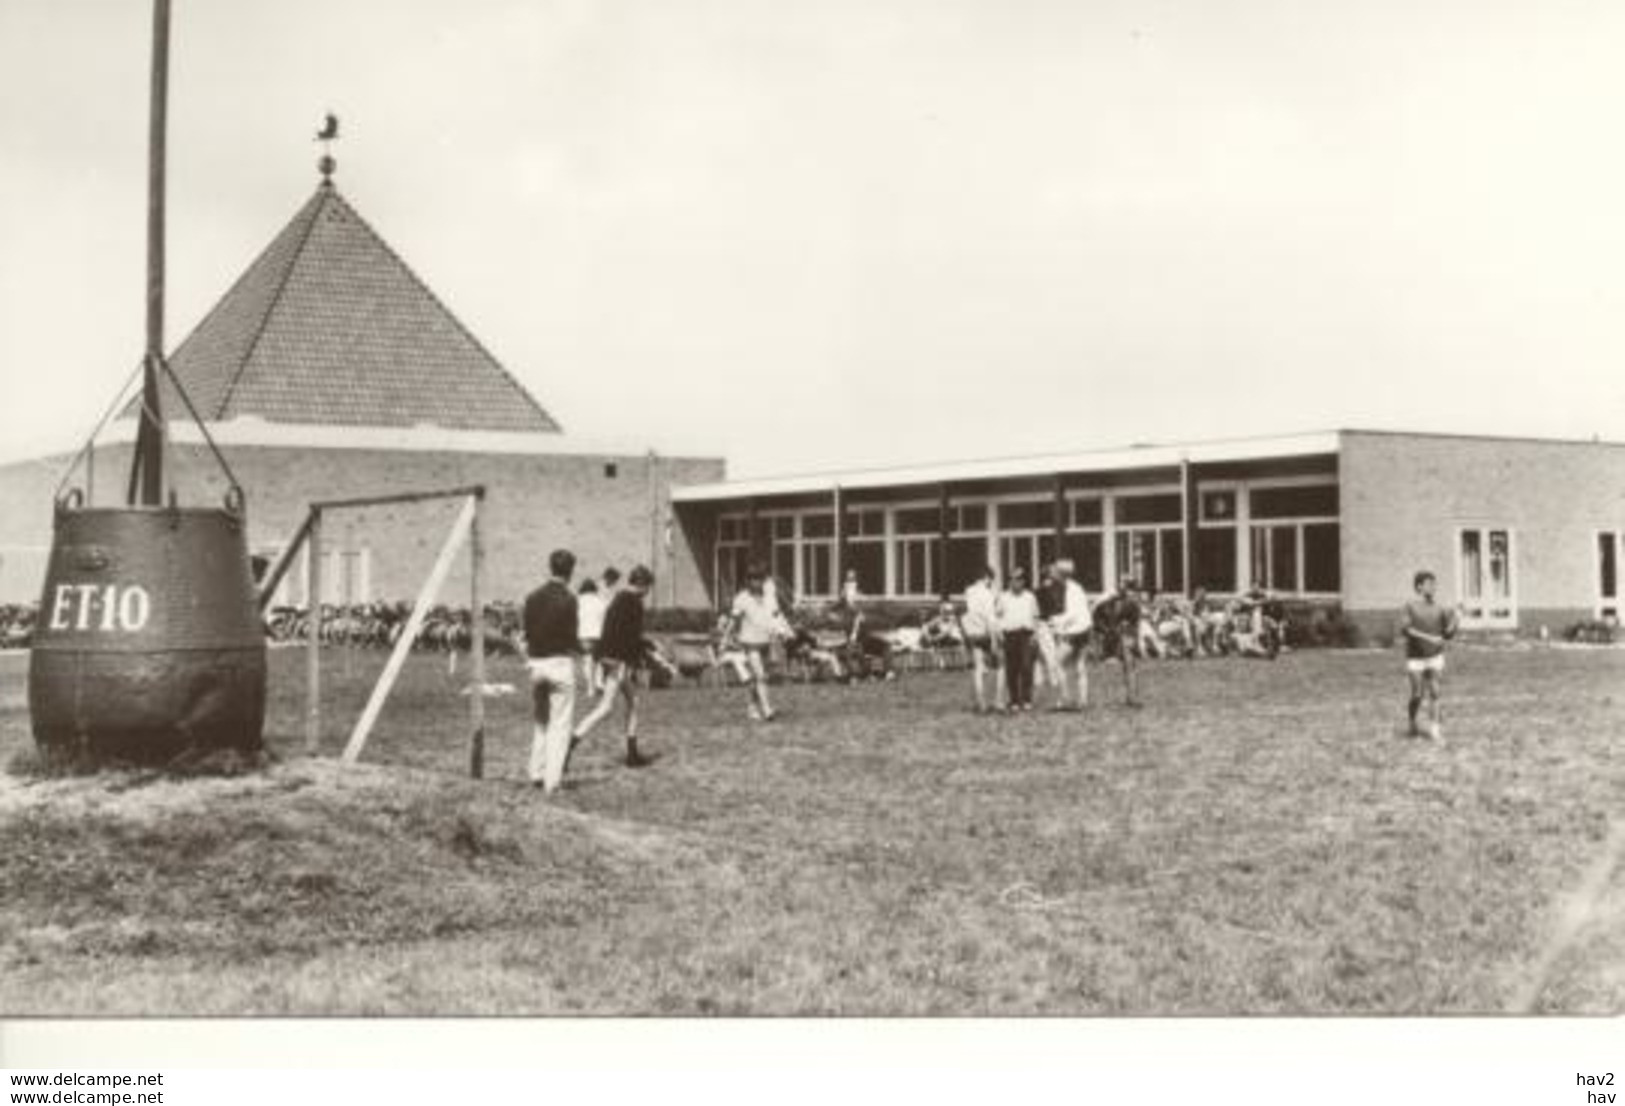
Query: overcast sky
{"points": [[817, 235]]}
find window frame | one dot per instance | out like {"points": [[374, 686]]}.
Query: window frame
{"points": [[1484, 620]]}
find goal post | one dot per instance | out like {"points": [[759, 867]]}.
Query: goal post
{"points": [[308, 537]]}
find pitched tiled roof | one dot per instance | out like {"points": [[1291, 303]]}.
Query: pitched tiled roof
{"points": [[329, 327]]}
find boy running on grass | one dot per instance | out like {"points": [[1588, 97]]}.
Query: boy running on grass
{"points": [[752, 622], [979, 627], [1427, 627], [619, 654]]}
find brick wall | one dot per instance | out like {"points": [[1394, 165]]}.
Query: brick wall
{"points": [[1405, 496], [534, 504]]}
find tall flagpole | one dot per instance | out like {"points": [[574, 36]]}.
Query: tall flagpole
{"points": [[147, 472]]}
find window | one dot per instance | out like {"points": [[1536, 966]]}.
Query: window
{"points": [[1154, 557], [1026, 552], [733, 555], [866, 548], [1294, 544], [1087, 553], [1026, 537], [1608, 551], [1218, 506], [1039, 515], [918, 520], [1322, 558], [1275, 557], [1086, 513], [346, 577], [1084, 542], [1214, 558], [1484, 580], [915, 564], [1295, 501], [1132, 509], [816, 559]]}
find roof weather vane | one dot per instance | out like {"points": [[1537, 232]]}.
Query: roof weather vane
{"points": [[326, 136]]}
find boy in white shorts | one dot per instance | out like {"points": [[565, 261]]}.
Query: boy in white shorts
{"points": [[1427, 626], [753, 620]]}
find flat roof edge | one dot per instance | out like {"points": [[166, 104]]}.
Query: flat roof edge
{"points": [[1106, 460]]}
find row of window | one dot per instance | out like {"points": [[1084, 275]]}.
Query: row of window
{"points": [[1156, 508], [346, 576], [1284, 537]]}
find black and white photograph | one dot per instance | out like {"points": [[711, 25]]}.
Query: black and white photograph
{"points": [[709, 509]]}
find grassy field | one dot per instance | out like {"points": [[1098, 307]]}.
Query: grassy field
{"points": [[1259, 840]]}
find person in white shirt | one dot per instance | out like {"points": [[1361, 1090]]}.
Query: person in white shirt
{"points": [[1071, 629], [591, 606], [979, 627], [1018, 619], [850, 593], [753, 621]]}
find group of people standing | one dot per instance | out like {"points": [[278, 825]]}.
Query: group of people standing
{"points": [[1024, 634], [566, 631]]}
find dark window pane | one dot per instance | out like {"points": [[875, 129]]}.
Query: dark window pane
{"points": [[732, 563], [817, 526], [868, 559], [1017, 552], [1321, 565], [1218, 506], [1173, 561], [967, 558], [1148, 508], [1283, 558], [913, 561], [731, 529], [1608, 566], [815, 566], [1027, 516], [784, 562], [1215, 558], [1296, 502], [1087, 512], [1086, 553], [783, 527], [918, 520], [973, 517], [1137, 557]]}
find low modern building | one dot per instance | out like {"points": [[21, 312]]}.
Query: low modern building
{"points": [[1524, 534], [330, 370]]}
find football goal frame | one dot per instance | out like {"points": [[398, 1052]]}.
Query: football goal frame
{"points": [[465, 528]]}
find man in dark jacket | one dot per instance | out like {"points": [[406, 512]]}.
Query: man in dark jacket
{"points": [[620, 653], [552, 644]]}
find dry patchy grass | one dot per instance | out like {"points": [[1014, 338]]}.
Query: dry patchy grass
{"points": [[1259, 840]]}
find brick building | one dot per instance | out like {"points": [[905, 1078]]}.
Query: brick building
{"points": [[1524, 534], [330, 370]]}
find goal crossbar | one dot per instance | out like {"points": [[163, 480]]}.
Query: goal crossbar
{"points": [[466, 528]]}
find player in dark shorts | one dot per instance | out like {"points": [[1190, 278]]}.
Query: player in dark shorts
{"points": [[1117, 626]]}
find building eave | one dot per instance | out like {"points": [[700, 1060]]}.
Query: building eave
{"points": [[1320, 443]]}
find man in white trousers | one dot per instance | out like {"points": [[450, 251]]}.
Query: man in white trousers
{"points": [[552, 645]]}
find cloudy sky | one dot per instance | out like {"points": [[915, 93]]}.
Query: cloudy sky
{"points": [[815, 235]]}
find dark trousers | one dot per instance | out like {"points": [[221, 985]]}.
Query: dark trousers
{"points": [[1018, 666]]}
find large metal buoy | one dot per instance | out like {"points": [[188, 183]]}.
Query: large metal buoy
{"points": [[148, 644]]}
